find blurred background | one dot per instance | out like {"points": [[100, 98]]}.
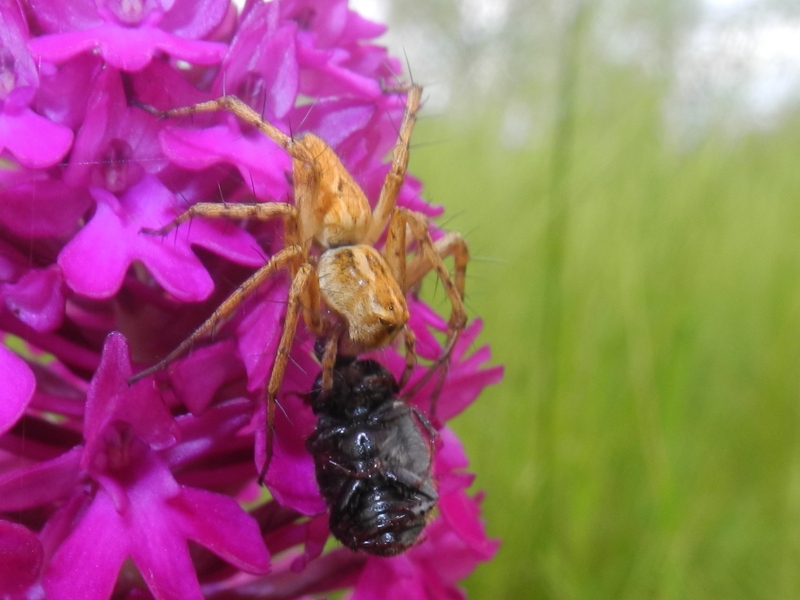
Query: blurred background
{"points": [[625, 172]]}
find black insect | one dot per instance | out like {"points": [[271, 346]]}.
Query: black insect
{"points": [[372, 453]]}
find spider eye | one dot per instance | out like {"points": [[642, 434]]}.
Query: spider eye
{"points": [[390, 327]]}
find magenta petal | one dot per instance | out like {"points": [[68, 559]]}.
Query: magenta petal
{"points": [[359, 28], [390, 579], [197, 378], [86, 564], [179, 272], [163, 560], [16, 388], [446, 558], [203, 435], [463, 515], [264, 58], [39, 208], [55, 15], [87, 271], [33, 140], [291, 477], [219, 523], [96, 260], [260, 331], [261, 163], [451, 455], [325, 20], [193, 19], [156, 543], [60, 47], [110, 399], [21, 558], [330, 75], [317, 534], [37, 298], [41, 483], [129, 49], [112, 139], [423, 319], [193, 51], [336, 120]]}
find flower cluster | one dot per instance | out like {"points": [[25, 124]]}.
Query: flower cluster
{"points": [[103, 485]]}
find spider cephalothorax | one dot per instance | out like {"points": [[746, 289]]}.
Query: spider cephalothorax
{"points": [[348, 292]]}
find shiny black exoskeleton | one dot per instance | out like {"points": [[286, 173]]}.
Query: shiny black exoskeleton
{"points": [[372, 453]]}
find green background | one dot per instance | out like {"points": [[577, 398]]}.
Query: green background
{"points": [[641, 284]]}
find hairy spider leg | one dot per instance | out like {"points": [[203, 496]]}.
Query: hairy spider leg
{"points": [[431, 257], [394, 179], [332, 208], [395, 254], [304, 294], [292, 256], [418, 224], [304, 285], [233, 105], [452, 244]]}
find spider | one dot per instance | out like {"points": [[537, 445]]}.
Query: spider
{"points": [[347, 291]]}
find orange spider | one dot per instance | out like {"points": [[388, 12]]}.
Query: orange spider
{"points": [[362, 288]]}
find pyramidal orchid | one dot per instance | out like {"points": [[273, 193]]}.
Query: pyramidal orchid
{"points": [[111, 490]]}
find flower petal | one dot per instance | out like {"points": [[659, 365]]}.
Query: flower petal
{"points": [[33, 140], [40, 483], [86, 564], [129, 49], [37, 299], [16, 388], [219, 523], [21, 558]]}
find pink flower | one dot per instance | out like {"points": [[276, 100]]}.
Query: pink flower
{"points": [[150, 490], [128, 34], [33, 140]]}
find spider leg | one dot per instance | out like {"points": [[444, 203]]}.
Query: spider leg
{"points": [[262, 211], [451, 244], [431, 258], [395, 255], [329, 361], [394, 179], [233, 105], [395, 250], [279, 261], [297, 296], [410, 343]]}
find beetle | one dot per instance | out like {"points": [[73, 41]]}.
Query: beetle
{"points": [[373, 455]]}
